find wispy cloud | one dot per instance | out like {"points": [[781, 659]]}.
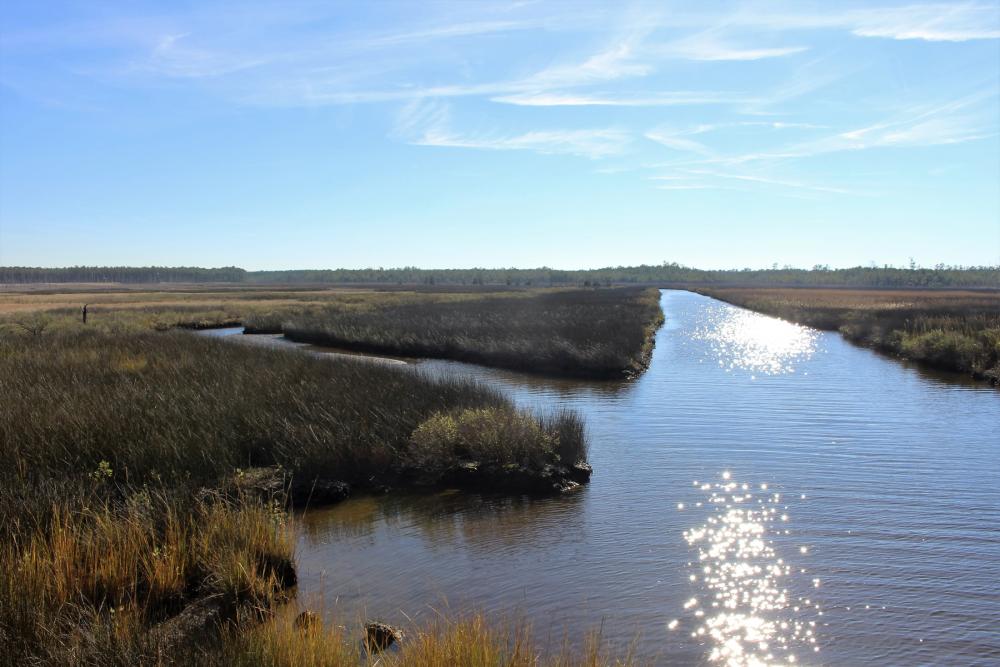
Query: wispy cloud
{"points": [[711, 46], [443, 31], [953, 22], [967, 118], [678, 142], [766, 180], [590, 143], [174, 55], [615, 62], [657, 99], [932, 22], [428, 123]]}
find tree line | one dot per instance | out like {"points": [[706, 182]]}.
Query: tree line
{"points": [[121, 274], [665, 274]]}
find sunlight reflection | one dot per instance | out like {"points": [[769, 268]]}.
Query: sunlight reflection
{"points": [[747, 612], [757, 343]]}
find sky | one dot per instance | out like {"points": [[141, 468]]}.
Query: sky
{"points": [[563, 134]]}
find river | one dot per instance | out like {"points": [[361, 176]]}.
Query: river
{"points": [[764, 494]]}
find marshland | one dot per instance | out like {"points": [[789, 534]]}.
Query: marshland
{"points": [[176, 498], [150, 473], [499, 333]]}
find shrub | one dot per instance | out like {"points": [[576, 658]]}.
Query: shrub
{"points": [[485, 435]]}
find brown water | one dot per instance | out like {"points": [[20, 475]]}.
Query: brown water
{"points": [[867, 532]]}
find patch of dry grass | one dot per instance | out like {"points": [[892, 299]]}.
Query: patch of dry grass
{"points": [[90, 573], [466, 641]]}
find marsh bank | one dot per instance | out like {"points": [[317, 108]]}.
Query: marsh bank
{"points": [[888, 476]]}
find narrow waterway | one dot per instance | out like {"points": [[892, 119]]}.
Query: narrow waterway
{"points": [[764, 494]]}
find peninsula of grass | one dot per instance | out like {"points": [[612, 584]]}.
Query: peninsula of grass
{"points": [[590, 333], [950, 330], [144, 478]]}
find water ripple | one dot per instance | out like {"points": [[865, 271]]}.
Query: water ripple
{"points": [[754, 342], [745, 609]]}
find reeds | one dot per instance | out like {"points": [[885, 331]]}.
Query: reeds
{"points": [[85, 580], [117, 455], [605, 333], [175, 407], [472, 640]]}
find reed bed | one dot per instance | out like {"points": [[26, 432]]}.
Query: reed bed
{"points": [[90, 579], [594, 333], [121, 457], [173, 406], [951, 330], [463, 641]]}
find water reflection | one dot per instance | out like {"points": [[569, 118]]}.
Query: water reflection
{"points": [[553, 387], [754, 342], [745, 608], [488, 522]]}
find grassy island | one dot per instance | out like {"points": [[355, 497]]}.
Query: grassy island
{"points": [[594, 333]]}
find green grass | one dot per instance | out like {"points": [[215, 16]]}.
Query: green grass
{"points": [[602, 333]]}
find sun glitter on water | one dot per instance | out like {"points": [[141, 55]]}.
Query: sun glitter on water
{"points": [[741, 339], [743, 610]]}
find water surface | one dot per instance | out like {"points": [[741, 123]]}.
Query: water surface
{"points": [[837, 507]]}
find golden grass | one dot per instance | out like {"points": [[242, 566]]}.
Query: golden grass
{"points": [[466, 641], [852, 299], [93, 568], [137, 309]]}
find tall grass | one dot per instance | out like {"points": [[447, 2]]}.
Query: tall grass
{"points": [[950, 330], [174, 407], [117, 459], [465, 641], [603, 333], [83, 582]]}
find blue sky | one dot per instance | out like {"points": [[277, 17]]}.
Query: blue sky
{"points": [[567, 134]]}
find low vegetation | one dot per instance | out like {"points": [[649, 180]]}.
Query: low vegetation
{"points": [[596, 333], [127, 468], [470, 641], [949, 330], [174, 406]]}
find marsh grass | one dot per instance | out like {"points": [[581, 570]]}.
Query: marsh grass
{"points": [[949, 330], [84, 581], [473, 640], [172, 408], [597, 333], [118, 445], [117, 448]]}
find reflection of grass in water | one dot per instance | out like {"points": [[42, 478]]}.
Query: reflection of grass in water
{"points": [[352, 518], [478, 522]]}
